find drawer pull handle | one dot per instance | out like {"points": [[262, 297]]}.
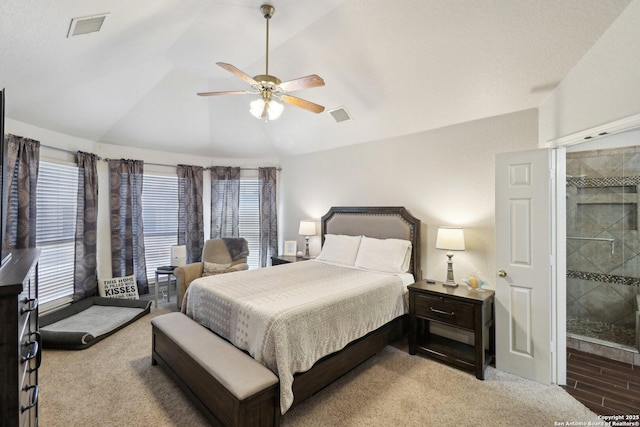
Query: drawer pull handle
{"points": [[34, 397], [31, 305], [446, 313], [31, 351], [38, 353]]}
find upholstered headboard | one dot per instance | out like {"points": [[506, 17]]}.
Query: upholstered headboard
{"points": [[378, 222]]}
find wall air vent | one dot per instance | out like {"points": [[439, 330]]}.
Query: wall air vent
{"points": [[86, 25], [340, 114]]}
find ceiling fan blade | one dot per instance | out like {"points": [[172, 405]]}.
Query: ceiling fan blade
{"points": [[236, 72], [298, 102], [302, 83], [228, 92]]}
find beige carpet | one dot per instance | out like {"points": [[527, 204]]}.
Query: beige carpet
{"points": [[113, 384]]}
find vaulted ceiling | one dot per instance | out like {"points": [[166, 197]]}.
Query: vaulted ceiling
{"points": [[398, 67]]}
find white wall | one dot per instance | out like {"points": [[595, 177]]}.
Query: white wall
{"points": [[72, 144], [603, 87], [443, 177]]}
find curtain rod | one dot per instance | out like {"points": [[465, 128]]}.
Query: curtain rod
{"points": [[146, 163], [64, 150], [204, 167]]}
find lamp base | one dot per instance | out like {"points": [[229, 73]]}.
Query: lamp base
{"points": [[450, 282], [306, 248]]}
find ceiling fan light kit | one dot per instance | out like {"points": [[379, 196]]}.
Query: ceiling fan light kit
{"points": [[269, 109], [270, 87]]}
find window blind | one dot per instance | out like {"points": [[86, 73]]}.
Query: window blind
{"points": [[56, 201], [249, 226], [248, 218], [160, 217]]}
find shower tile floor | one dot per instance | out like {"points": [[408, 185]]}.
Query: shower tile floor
{"points": [[602, 331]]}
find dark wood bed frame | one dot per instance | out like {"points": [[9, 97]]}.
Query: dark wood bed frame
{"points": [[359, 221], [332, 367]]}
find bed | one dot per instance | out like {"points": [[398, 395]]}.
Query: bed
{"points": [[311, 322]]}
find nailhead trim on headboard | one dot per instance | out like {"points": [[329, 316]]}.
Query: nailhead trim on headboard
{"points": [[412, 223]]}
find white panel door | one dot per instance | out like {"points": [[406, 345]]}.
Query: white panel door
{"points": [[523, 258]]}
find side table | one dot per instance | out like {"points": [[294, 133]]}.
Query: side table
{"points": [[168, 271], [456, 307]]}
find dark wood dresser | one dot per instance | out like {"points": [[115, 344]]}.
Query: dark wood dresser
{"points": [[20, 349]]}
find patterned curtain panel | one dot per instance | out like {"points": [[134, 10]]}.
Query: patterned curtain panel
{"points": [[225, 201], [85, 279], [268, 214], [23, 161], [127, 231], [190, 221]]}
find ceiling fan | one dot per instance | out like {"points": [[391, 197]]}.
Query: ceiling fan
{"points": [[270, 87]]}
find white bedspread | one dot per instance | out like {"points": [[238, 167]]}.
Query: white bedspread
{"points": [[290, 316]]}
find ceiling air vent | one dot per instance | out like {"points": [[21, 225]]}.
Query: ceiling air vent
{"points": [[340, 114], [86, 25]]}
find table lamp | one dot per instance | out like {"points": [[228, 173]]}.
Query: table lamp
{"points": [[307, 228], [450, 239]]}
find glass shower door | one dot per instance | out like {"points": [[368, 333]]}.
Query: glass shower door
{"points": [[603, 251]]}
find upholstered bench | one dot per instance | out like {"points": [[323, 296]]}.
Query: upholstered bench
{"points": [[227, 385]]}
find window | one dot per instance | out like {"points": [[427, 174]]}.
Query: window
{"points": [[56, 201], [160, 217], [249, 226], [249, 218]]}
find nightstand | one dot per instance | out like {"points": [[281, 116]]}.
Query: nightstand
{"points": [[285, 259], [456, 307]]}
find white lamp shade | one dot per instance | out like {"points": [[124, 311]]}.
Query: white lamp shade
{"points": [[274, 109], [256, 108], [307, 228], [450, 238]]}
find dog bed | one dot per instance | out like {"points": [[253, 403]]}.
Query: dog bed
{"points": [[84, 323]]}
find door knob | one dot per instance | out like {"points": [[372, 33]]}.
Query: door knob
{"points": [[502, 273]]}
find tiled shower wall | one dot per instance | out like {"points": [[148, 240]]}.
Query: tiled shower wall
{"points": [[603, 251]]}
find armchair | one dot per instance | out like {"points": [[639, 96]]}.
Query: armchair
{"points": [[214, 251]]}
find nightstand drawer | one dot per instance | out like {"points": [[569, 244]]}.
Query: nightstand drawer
{"points": [[444, 310]]}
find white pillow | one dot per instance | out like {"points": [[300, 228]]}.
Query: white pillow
{"points": [[386, 255], [339, 249], [119, 287]]}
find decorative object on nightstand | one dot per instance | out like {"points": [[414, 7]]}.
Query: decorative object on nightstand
{"points": [[474, 283], [178, 255], [307, 228], [450, 239], [290, 247]]}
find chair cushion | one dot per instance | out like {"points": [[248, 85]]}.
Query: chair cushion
{"points": [[211, 268]]}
